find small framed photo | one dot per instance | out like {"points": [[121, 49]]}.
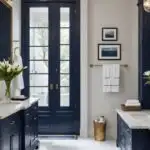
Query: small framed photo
{"points": [[109, 34], [109, 51]]}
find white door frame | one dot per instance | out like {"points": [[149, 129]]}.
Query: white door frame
{"points": [[84, 68]]}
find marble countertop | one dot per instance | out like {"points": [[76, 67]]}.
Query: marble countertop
{"points": [[7, 109], [136, 119]]}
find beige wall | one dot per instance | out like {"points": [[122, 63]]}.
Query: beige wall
{"points": [[112, 13]]}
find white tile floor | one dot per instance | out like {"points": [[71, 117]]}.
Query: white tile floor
{"points": [[80, 144]]}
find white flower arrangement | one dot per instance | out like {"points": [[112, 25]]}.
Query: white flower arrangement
{"points": [[147, 76], [8, 72]]}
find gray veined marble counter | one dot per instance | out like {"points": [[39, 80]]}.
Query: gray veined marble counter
{"points": [[136, 119], [7, 109]]}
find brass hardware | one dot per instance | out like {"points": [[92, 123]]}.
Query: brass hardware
{"points": [[57, 86], [100, 65], [27, 126], [27, 114], [35, 118], [51, 86]]}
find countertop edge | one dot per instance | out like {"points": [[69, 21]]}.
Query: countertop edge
{"points": [[22, 105], [126, 117]]}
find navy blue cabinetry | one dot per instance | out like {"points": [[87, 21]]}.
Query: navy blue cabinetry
{"points": [[10, 132], [5, 30], [131, 139], [30, 128]]}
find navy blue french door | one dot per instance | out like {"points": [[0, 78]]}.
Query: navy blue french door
{"points": [[51, 49]]}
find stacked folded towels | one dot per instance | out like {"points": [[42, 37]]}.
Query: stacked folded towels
{"points": [[132, 102]]}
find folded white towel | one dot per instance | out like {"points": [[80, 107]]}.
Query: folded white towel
{"points": [[106, 78], [115, 77], [138, 104], [115, 89], [132, 101], [18, 82]]}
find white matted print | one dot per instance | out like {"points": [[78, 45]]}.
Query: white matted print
{"points": [[109, 34], [109, 51]]}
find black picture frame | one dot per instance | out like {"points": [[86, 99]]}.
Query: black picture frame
{"points": [[112, 34], [109, 55]]}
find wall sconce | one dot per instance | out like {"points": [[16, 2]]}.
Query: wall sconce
{"points": [[146, 4]]}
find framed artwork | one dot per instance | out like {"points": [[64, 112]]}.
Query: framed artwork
{"points": [[109, 51], [109, 34]]}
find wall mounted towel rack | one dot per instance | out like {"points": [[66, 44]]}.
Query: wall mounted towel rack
{"points": [[100, 65]]}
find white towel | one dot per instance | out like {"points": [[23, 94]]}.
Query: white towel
{"points": [[115, 77], [18, 82], [132, 102], [138, 104], [106, 78]]}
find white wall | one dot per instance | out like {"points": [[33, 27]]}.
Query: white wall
{"points": [[112, 13]]}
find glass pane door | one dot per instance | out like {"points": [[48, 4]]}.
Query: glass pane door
{"points": [[51, 48], [64, 56], [39, 54]]}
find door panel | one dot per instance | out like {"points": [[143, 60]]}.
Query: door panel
{"points": [[53, 71]]}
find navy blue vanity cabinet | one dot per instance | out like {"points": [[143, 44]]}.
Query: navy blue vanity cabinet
{"points": [[29, 128], [10, 132], [124, 135], [131, 139]]}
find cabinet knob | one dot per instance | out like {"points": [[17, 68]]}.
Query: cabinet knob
{"points": [[35, 118], [13, 122], [27, 126], [35, 107], [27, 114]]}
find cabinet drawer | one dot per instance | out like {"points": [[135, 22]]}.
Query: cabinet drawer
{"points": [[13, 120]]}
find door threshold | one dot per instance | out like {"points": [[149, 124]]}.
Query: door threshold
{"points": [[57, 137]]}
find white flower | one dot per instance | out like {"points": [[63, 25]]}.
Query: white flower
{"points": [[14, 66], [9, 69], [2, 64], [147, 73], [6, 63]]}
